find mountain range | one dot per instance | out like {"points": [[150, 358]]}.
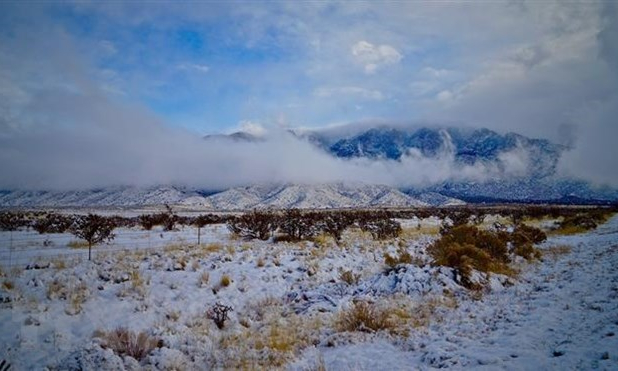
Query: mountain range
{"points": [[538, 181]]}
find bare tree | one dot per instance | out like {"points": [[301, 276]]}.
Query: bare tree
{"points": [[94, 229]]}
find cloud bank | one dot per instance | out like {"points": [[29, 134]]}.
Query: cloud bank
{"points": [[108, 93]]}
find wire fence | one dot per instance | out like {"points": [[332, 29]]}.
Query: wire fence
{"points": [[30, 249]]}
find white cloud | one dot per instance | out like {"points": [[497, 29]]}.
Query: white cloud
{"points": [[253, 128], [367, 94], [201, 68], [373, 56]]}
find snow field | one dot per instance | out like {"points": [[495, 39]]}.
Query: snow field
{"points": [[291, 301]]}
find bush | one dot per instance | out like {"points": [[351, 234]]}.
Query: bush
{"points": [[127, 343], [381, 229], [334, 224], [465, 248], [462, 258], [167, 219], [364, 317], [219, 314], [12, 221], [53, 223], [298, 226], [402, 257], [348, 276], [494, 243], [523, 240], [583, 221], [254, 225]]}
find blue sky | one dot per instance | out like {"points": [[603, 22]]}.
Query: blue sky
{"points": [[541, 68]]}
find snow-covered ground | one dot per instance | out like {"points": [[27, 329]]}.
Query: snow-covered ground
{"points": [[287, 299]]}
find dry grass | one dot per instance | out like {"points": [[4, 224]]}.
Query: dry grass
{"points": [[225, 281], [77, 244], [56, 289], [567, 230], [260, 262], [137, 286], [324, 241], [402, 257], [348, 277], [365, 317], [128, 343], [8, 285], [77, 297], [203, 279], [269, 343], [412, 233]]}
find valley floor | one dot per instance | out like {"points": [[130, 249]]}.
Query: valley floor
{"points": [[288, 301]]}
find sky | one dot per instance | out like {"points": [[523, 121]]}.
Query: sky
{"points": [[98, 93]]}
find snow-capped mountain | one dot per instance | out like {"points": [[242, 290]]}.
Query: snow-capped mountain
{"points": [[468, 146], [114, 196], [313, 197], [321, 196], [536, 182]]}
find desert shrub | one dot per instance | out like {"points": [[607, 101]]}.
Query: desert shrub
{"points": [[147, 221], [348, 276], [334, 224], [381, 228], [297, 225], [254, 225], [219, 314], [128, 343], [492, 242], [462, 258], [365, 317], [225, 281], [52, 223], [527, 251], [523, 240], [10, 221], [402, 257], [8, 285], [167, 219], [583, 221]]}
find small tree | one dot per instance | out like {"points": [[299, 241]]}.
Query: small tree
{"points": [[94, 229]]}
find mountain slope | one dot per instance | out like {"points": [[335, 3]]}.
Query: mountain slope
{"points": [[319, 196], [467, 146]]}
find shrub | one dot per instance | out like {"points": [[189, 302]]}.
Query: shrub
{"points": [[334, 224], [462, 258], [53, 223], [12, 221], [364, 317], [298, 226], [583, 221], [219, 314], [254, 225], [127, 343], [523, 240], [381, 229], [494, 243], [225, 281], [402, 257], [348, 276]]}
